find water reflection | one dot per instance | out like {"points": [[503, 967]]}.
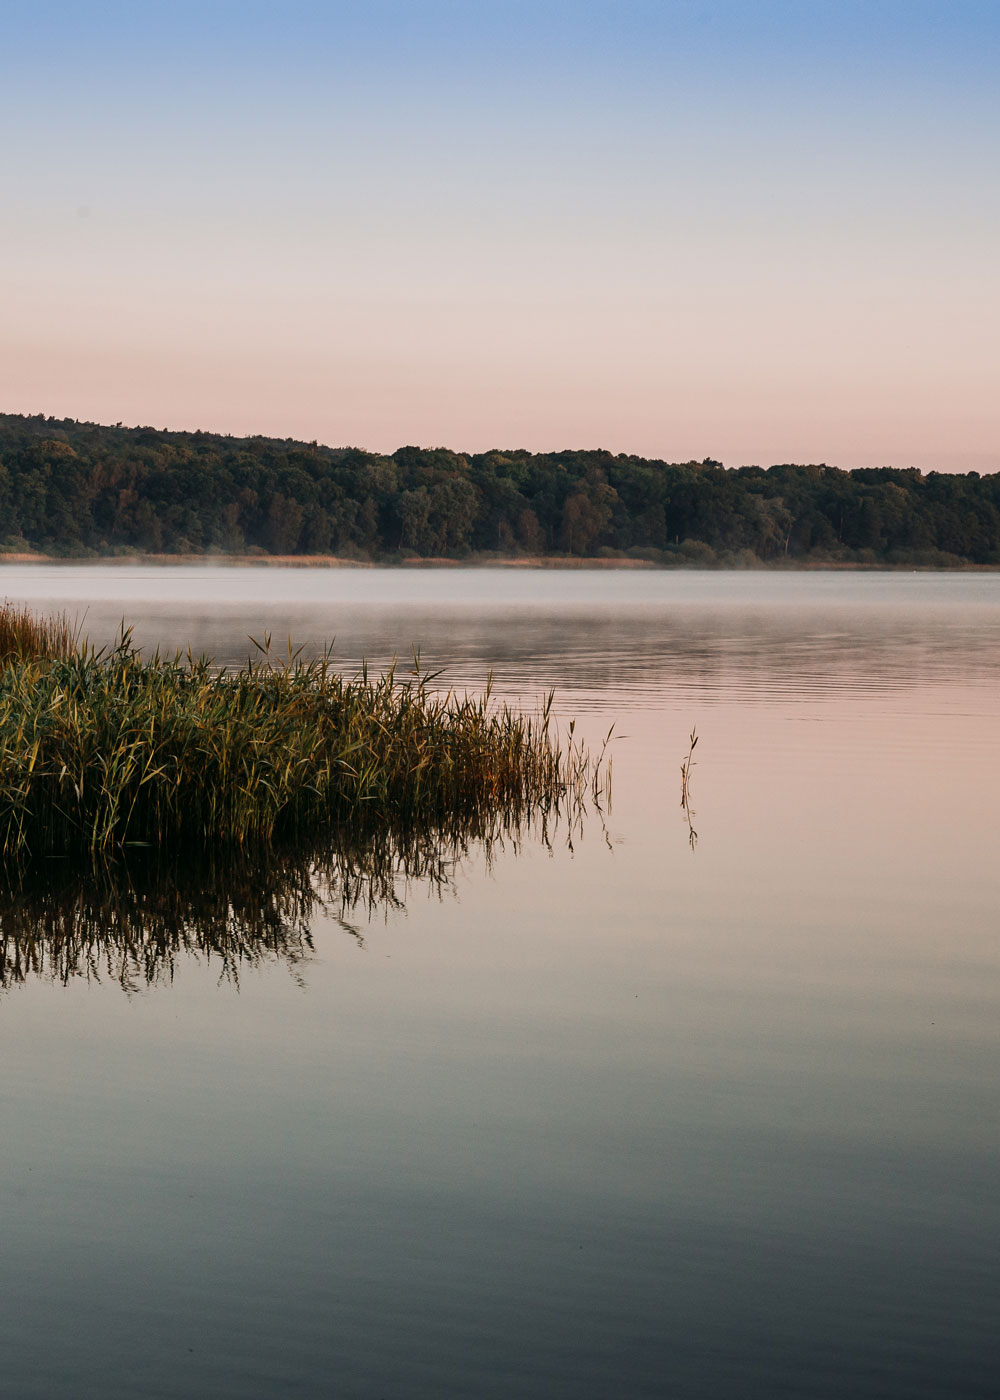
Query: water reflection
{"points": [[638, 1124], [131, 920], [691, 636]]}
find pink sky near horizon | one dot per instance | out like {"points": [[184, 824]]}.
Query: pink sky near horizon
{"points": [[538, 379], [705, 240]]}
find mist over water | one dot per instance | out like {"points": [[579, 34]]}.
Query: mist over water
{"points": [[620, 1115]]}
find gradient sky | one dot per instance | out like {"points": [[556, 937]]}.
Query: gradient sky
{"points": [[755, 231]]}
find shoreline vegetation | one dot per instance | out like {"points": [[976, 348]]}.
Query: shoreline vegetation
{"points": [[106, 751], [77, 492], [554, 562]]}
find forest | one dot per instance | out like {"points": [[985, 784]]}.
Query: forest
{"points": [[77, 490]]}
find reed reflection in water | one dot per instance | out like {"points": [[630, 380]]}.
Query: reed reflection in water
{"points": [[132, 919]]}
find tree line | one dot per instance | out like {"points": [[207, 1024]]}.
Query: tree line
{"points": [[77, 489]]}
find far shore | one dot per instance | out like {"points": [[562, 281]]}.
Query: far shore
{"points": [[539, 561], [326, 561]]}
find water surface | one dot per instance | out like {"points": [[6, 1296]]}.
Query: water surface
{"points": [[627, 1119]]}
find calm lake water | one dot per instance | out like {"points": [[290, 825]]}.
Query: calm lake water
{"points": [[637, 1119]]}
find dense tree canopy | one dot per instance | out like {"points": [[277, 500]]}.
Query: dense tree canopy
{"points": [[78, 489]]}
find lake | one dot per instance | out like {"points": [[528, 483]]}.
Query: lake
{"points": [[680, 1105]]}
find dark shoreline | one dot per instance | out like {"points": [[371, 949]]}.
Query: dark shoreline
{"points": [[539, 562]]}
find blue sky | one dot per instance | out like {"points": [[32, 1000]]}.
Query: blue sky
{"points": [[760, 232]]}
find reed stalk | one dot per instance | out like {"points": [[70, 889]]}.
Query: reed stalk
{"points": [[686, 807]]}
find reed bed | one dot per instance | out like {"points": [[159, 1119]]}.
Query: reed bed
{"points": [[101, 750]]}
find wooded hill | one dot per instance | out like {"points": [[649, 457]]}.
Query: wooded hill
{"points": [[81, 489]]}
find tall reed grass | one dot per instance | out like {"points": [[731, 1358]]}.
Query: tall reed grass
{"points": [[100, 750], [24, 636]]}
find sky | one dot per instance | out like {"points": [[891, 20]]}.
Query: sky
{"points": [[758, 231]]}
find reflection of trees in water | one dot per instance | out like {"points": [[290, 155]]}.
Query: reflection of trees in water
{"points": [[131, 920]]}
